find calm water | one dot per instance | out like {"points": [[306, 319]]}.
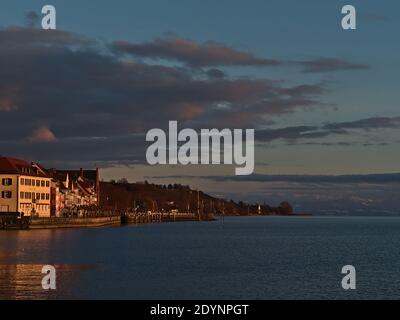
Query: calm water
{"points": [[240, 258]]}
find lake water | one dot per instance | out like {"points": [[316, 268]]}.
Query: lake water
{"points": [[239, 258]]}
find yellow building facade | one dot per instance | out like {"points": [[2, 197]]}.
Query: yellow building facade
{"points": [[24, 193], [24, 189]]}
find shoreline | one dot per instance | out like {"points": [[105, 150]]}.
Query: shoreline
{"points": [[64, 223], [109, 221]]}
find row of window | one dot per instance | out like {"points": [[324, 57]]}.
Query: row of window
{"points": [[33, 195], [33, 182], [26, 195], [27, 182], [38, 207]]}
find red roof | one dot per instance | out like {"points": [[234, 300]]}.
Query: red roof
{"points": [[17, 166]]}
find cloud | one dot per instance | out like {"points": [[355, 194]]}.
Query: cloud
{"points": [[13, 39], [42, 134], [212, 54], [312, 179], [215, 73], [366, 124], [80, 152], [288, 133], [73, 85], [312, 132], [83, 92], [330, 65], [205, 54], [8, 96]]}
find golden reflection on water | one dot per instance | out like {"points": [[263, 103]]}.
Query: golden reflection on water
{"points": [[24, 281], [21, 257]]}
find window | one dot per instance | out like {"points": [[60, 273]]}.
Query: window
{"points": [[42, 196], [6, 194], [37, 183], [47, 196], [47, 183], [42, 183], [37, 196], [22, 181], [7, 182], [28, 182], [21, 195]]}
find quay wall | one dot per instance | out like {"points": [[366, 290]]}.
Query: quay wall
{"points": [[50, 223], [115, 220]]}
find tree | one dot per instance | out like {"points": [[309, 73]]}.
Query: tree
{"points": [[285, 208], [123, 181]]}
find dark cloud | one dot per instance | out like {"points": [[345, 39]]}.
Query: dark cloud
{"points": [[14, 39], [341, 144], [313, 179], [211, 54], [79, 152], [59, 88], [288, 133], [330, 65], [60, 91], [194, 54], [345, 179], [366, 124], [71, 86], [311, 132], [215, 74]]}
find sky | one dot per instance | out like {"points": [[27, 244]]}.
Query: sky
{"points": [[323, 100]]}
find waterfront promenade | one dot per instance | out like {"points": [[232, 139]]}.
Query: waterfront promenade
{"points": [[111, 219]]}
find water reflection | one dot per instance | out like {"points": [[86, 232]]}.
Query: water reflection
{"points": [[241, 258], [21, 281], [24, 281], [24, 253]]}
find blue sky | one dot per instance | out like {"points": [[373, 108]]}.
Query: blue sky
{"points": [[360, 99]]}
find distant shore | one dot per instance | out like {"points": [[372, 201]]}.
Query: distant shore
{"points": [[268, 215]]}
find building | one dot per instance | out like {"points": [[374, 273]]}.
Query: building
{"points": [[24, 188], [76, 188], [40, 192], [86, 182]]}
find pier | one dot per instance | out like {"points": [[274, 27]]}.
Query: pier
{"points": [[97, 218], [149, 217], [13, 220]]}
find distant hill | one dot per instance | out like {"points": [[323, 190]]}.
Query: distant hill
{"points": [[146, 196]]}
